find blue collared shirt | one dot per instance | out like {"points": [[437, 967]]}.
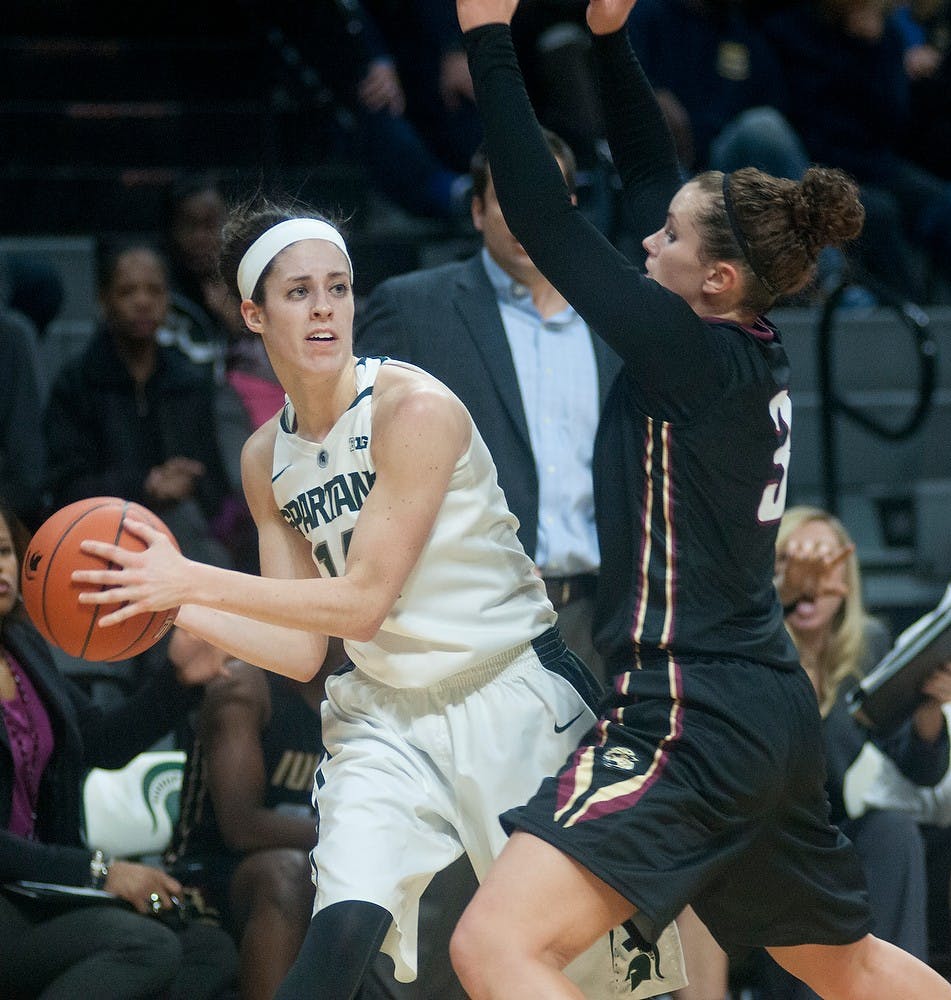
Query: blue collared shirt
{"points": [[558, 378]]}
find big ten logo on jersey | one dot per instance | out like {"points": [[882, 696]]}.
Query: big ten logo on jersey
{"points": [[359, 442]]}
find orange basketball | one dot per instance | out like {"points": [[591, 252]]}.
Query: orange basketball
{"points": [[52, 599]]}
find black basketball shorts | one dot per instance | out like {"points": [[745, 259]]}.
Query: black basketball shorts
{"points": [[703, 783]]}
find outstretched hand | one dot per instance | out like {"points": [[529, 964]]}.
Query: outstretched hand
{"points": [[153, 580], [475, 13], [607, 16], [811, 569]]}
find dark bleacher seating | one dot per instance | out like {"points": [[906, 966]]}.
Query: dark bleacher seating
{"points": [[100, 111], [895, 496]]}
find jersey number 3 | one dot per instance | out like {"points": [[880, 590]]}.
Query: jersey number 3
{"points": [[773, 502]]}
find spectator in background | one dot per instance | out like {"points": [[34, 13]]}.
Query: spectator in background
{"points": [[849, 100], [203, 318], [133, 419], [22, 448], [533, 376], [554, 49], [425, 46], [51, 733], [820, 587], [402, 86], [246, 826], [931, 806], [720, 86], [925, 27]]}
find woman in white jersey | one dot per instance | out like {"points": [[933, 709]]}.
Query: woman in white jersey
{"points": [[380, 521]]}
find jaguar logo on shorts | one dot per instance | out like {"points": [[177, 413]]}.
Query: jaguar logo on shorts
{"points": [[620, 758]]}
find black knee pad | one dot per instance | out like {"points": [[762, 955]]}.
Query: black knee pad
{"points": [[340, 944]]}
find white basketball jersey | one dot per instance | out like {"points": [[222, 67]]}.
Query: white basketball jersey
{"points": [[472, 593]]}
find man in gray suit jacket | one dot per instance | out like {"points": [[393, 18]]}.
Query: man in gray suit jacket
{"points": [[532, 375]]}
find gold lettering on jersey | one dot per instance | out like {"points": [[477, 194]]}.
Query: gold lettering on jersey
{"points": [[295, 770]]}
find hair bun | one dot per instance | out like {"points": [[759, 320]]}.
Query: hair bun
{"points": [[825, 209]]}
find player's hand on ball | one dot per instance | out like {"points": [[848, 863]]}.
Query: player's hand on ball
{"points": [[152, 580]]}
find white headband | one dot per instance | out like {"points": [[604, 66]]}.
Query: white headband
{"points": [[272, 241]]}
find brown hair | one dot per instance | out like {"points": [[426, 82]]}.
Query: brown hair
{"points": [[20, 536], [479, 169], [246, 222], [109, 254], [778, 226]]}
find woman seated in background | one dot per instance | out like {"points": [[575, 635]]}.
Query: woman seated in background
{"points": [[819, 584], [50, 733]]}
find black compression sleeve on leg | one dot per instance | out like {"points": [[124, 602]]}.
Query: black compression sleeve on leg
{"points": [[340, 944]]}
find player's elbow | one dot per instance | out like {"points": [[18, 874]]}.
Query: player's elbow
{"points": [[365, 609], [368, 617], [366, 626], [299, 667]]}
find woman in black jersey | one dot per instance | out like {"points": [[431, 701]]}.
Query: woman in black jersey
{"points": [[702, 781]]}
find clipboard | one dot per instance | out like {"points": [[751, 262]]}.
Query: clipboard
{"points": [[892, 690], [48, 899]]}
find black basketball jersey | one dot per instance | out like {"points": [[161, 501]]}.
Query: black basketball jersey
{"points": [[688, 508], [693, 448], [290, 745]]}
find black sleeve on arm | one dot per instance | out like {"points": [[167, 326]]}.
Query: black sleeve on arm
{"points": [[641, 145], [666, 347], [22, 858]]}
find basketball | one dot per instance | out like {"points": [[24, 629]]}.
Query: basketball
{"points": [[52, 599]]}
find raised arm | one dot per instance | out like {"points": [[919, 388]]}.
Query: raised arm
{"points": [[528, 181], [657, 334], [642, 148]]}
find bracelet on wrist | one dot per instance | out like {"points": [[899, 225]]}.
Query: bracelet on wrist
{"points": [[98, 869]]}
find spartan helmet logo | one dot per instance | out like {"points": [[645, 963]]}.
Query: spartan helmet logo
{"points": [[643, 958], [161, 790]]}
